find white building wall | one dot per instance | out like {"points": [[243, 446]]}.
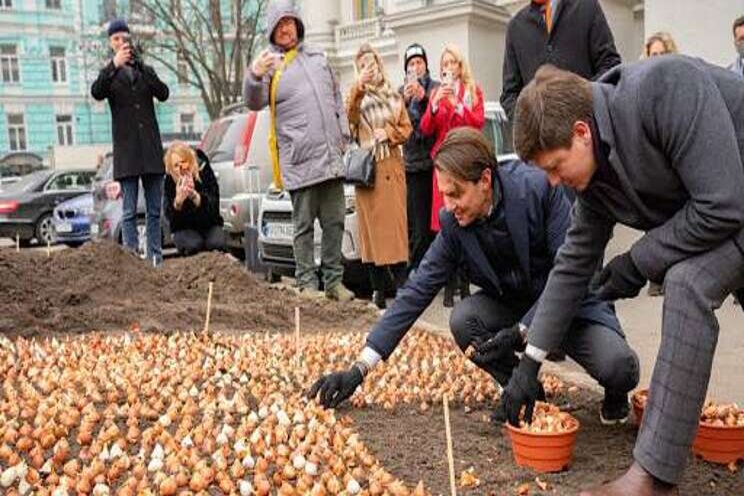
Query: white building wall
{"points": [[702, 29]]}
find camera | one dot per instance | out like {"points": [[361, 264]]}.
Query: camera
{"points": [[136, 49]]}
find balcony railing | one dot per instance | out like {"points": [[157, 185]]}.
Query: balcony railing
{"points": [[359, 30]]}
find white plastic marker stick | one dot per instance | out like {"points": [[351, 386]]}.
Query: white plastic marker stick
{"points": [[209, 307], [49, 248], [18, 243], [450, 456], [297, 335]]}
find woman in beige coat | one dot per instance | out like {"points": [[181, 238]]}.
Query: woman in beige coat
{"points": [[379, 120]]}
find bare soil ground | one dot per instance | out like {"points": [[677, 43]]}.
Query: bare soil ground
{"points": [[102, 287]]}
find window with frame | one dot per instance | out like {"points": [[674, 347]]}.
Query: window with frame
{"points": [[187, 123], [16, 132], [364, 9], [9, 64], [182, 69], [6, 4], [64, 130], [59, 64], [54, 4]]}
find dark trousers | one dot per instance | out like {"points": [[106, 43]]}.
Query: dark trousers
{"points": [[602, 352], [325, 202], [418, 200], [191, 241]]}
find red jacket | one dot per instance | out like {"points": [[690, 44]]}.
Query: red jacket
{"points": [[440, 123]]}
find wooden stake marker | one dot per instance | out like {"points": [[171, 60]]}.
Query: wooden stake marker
{"points": [[450, 456], [297, 336], [49, 248], [209, 307], [18, 243]]}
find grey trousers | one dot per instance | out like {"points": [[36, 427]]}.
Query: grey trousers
{"points": [[602, 352], [325, 202], [693, 290]]}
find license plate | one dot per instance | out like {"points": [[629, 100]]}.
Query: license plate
{"points": [[64, 227], [279, 231]]}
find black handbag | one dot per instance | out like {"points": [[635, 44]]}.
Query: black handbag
{"points": [[359, 167]]}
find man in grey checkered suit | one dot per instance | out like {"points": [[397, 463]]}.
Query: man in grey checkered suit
{"points": [[656, 145]]}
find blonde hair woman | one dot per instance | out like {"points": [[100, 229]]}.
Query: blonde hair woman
{"points": [[192, 200], [457, 102], [660, 43], [378, 119]]}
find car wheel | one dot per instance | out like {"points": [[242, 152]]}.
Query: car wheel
{"points": [[272, 277], [45, 230]]}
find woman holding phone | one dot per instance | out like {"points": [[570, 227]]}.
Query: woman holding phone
{"points": [[379, 121], [192, 201], [457, 102]]}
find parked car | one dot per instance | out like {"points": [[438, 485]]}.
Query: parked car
{"points": [[6, 181], [26, 207], [71, 220], [107, 210], [236, 143], [276, 229]]}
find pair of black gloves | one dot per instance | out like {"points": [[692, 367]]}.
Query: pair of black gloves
{"points": [[619, 279]]}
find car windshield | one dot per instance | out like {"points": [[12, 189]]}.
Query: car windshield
{"points": [[28, 182], [222, 137]]}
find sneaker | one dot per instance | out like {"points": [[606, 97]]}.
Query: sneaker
{"points": [[339, 293], [310, 293], [615, 409]]}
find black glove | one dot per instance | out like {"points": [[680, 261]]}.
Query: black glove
{"points": [[335, 388], [523, 390], [498, 347], [619, 279]]}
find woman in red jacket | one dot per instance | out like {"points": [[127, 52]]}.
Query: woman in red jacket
{"points": [[457, 102]]}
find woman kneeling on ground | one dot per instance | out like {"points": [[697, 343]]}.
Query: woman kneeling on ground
{"points": [[192, 201]]}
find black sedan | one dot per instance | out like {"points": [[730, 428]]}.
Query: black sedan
{"points": [[26, 207]]}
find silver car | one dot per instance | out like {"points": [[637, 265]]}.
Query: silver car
{"points": [[237, 146]]}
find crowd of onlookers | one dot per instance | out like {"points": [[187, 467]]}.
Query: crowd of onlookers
{"points": [[312, 124]]}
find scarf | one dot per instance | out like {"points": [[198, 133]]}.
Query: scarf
{"points": [[377, 111]]}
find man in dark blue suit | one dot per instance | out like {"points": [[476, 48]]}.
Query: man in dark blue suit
{"points": [[503, 224]]}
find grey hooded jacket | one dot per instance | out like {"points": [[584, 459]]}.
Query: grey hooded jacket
{"points": [[312, 127]]}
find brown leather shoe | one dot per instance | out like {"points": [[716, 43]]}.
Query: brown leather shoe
{"points": [[636, 482]]}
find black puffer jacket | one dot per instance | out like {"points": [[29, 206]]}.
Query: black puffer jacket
{"points": [[207, 214], [417, 150]]}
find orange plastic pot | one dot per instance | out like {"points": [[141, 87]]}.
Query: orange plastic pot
{"points": [[543, 452], [719, 444], [638, 407]]}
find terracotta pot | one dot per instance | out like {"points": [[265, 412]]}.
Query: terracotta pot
{"points": [[719, 444], [638, 406], [543, 452]]}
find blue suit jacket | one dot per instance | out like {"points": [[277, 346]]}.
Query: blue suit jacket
{"points": [[537, 217]]}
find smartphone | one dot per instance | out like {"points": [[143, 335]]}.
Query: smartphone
{"points": [[448, 78], [411, 77]]}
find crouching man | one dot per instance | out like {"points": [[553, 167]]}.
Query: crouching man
{"points": [[504, 225], [657, 146]]}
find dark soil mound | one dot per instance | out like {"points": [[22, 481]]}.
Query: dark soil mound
{"points": [[101, 286]]}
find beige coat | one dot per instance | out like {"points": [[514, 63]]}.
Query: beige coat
{"points": [[383, 223]]}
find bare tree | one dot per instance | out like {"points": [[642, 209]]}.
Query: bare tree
{"points": [[204, 44]]}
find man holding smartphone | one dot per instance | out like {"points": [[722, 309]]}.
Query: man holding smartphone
{"points": [[416, 91], [307, 138], [130, 86]]}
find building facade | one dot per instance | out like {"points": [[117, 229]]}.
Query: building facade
{"points": [[50, 54], [478, 27]]}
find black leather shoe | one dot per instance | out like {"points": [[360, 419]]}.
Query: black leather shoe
{"points": [[378, 298]]}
